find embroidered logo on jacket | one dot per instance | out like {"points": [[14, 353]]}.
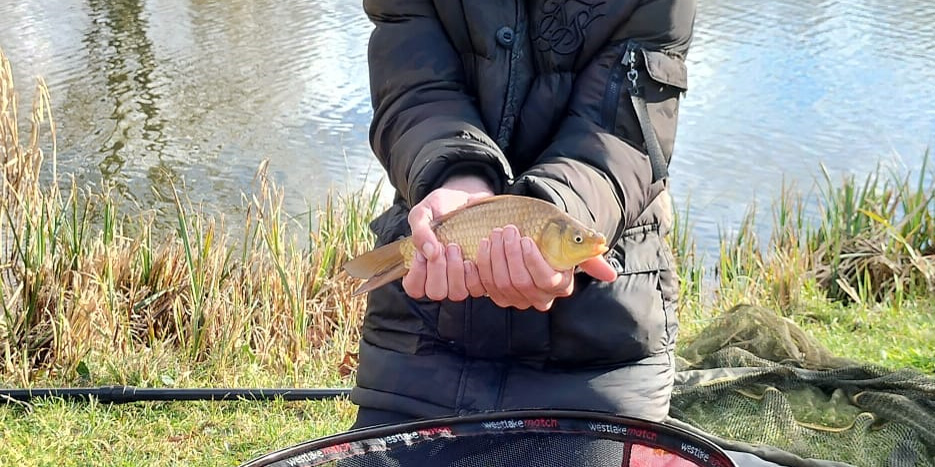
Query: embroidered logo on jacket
{"points": [[563, 23]]}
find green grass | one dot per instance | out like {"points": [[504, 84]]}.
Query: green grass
{"points": [[54, 432], [48, 432], [893, 338], [92, 295]]}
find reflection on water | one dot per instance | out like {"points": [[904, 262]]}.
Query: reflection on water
{"points": [[148, 93], [119, 47], [779, 87]]}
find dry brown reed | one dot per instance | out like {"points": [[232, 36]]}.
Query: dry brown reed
{"points": [[871, 242], [81, 278]]}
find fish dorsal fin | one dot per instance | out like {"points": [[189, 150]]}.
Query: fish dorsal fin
{"points": [[488, 200]]}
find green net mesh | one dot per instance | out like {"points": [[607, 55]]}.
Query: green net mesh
{"points": [[756, 378]]}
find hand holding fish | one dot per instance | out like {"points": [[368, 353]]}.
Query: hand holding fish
{"points": [[509, 269], [514, 273], [526, 264], [439, 271]]}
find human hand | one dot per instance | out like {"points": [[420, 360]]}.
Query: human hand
{"points": [[513, 273], [438, 271]]}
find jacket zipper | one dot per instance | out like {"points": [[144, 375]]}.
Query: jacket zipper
{"points": [[624, 67], [625, 61], [508, 119]]}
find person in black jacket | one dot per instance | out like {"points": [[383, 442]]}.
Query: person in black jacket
{"points": [[571, 101]]}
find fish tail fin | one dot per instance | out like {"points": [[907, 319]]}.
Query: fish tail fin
{"points": [[380, 266], [382, 279]]}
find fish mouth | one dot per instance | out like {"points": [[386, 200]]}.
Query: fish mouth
{"points": [[601, 248]]}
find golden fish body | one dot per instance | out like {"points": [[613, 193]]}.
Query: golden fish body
{"points": [[564, 241]]}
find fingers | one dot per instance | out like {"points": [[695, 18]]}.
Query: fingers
{"points": [[436, 277], [485, 272], [448, 276], [542, 274], [457, 288], [537, 280], [518, 276], [414, 280], [420, 221], [435, 280], [599, 269], [500, 272], [472, 280]]}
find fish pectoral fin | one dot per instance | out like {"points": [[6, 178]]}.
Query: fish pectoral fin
{"points": [[382, 279], [376, 261]]}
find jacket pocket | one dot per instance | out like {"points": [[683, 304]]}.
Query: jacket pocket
{"points": [[668, 81], [625, 320], [479, 328], [660, 79]]}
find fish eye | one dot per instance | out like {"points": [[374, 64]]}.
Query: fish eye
{"points": [[578, 238]]}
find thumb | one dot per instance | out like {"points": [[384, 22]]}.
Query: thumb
{"points": [[474, 197], [420, 221], [600, 269]]}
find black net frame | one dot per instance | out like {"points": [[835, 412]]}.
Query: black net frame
{"points": [[558, 424]]}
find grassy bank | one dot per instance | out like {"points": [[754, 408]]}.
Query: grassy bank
{"points": [[92, 295]]}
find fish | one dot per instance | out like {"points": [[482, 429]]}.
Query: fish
{"points": [[565, 242]]}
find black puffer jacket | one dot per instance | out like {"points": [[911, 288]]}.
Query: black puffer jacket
{"points": [[532, 95]]}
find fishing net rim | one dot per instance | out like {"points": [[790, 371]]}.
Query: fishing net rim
{"points": [[598, 425]]}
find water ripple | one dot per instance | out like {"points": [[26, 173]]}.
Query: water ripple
{"points": [[148, 92]]}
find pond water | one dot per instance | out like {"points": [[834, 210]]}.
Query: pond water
{"points": [[199, 92]]}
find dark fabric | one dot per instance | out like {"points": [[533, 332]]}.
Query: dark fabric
{"points": [[530, 95], [537, 107], [368, 417], [601, 325], [445, 383]]}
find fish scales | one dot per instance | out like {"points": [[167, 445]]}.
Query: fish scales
{"points": [[468, 227]]}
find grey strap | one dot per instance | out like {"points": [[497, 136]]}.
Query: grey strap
{"points": [[657, 159]]}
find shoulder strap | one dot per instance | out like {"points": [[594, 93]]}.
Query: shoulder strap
{"points": [[653, 149]]}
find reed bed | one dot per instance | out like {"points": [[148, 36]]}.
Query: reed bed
{"points": [[872, 242], [80, 277], [83, 280]]}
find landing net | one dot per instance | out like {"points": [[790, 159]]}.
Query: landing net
{"points": [[514, 439], [760, 384]]}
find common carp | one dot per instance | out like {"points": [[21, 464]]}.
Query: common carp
{"points": [[563, 240]]}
